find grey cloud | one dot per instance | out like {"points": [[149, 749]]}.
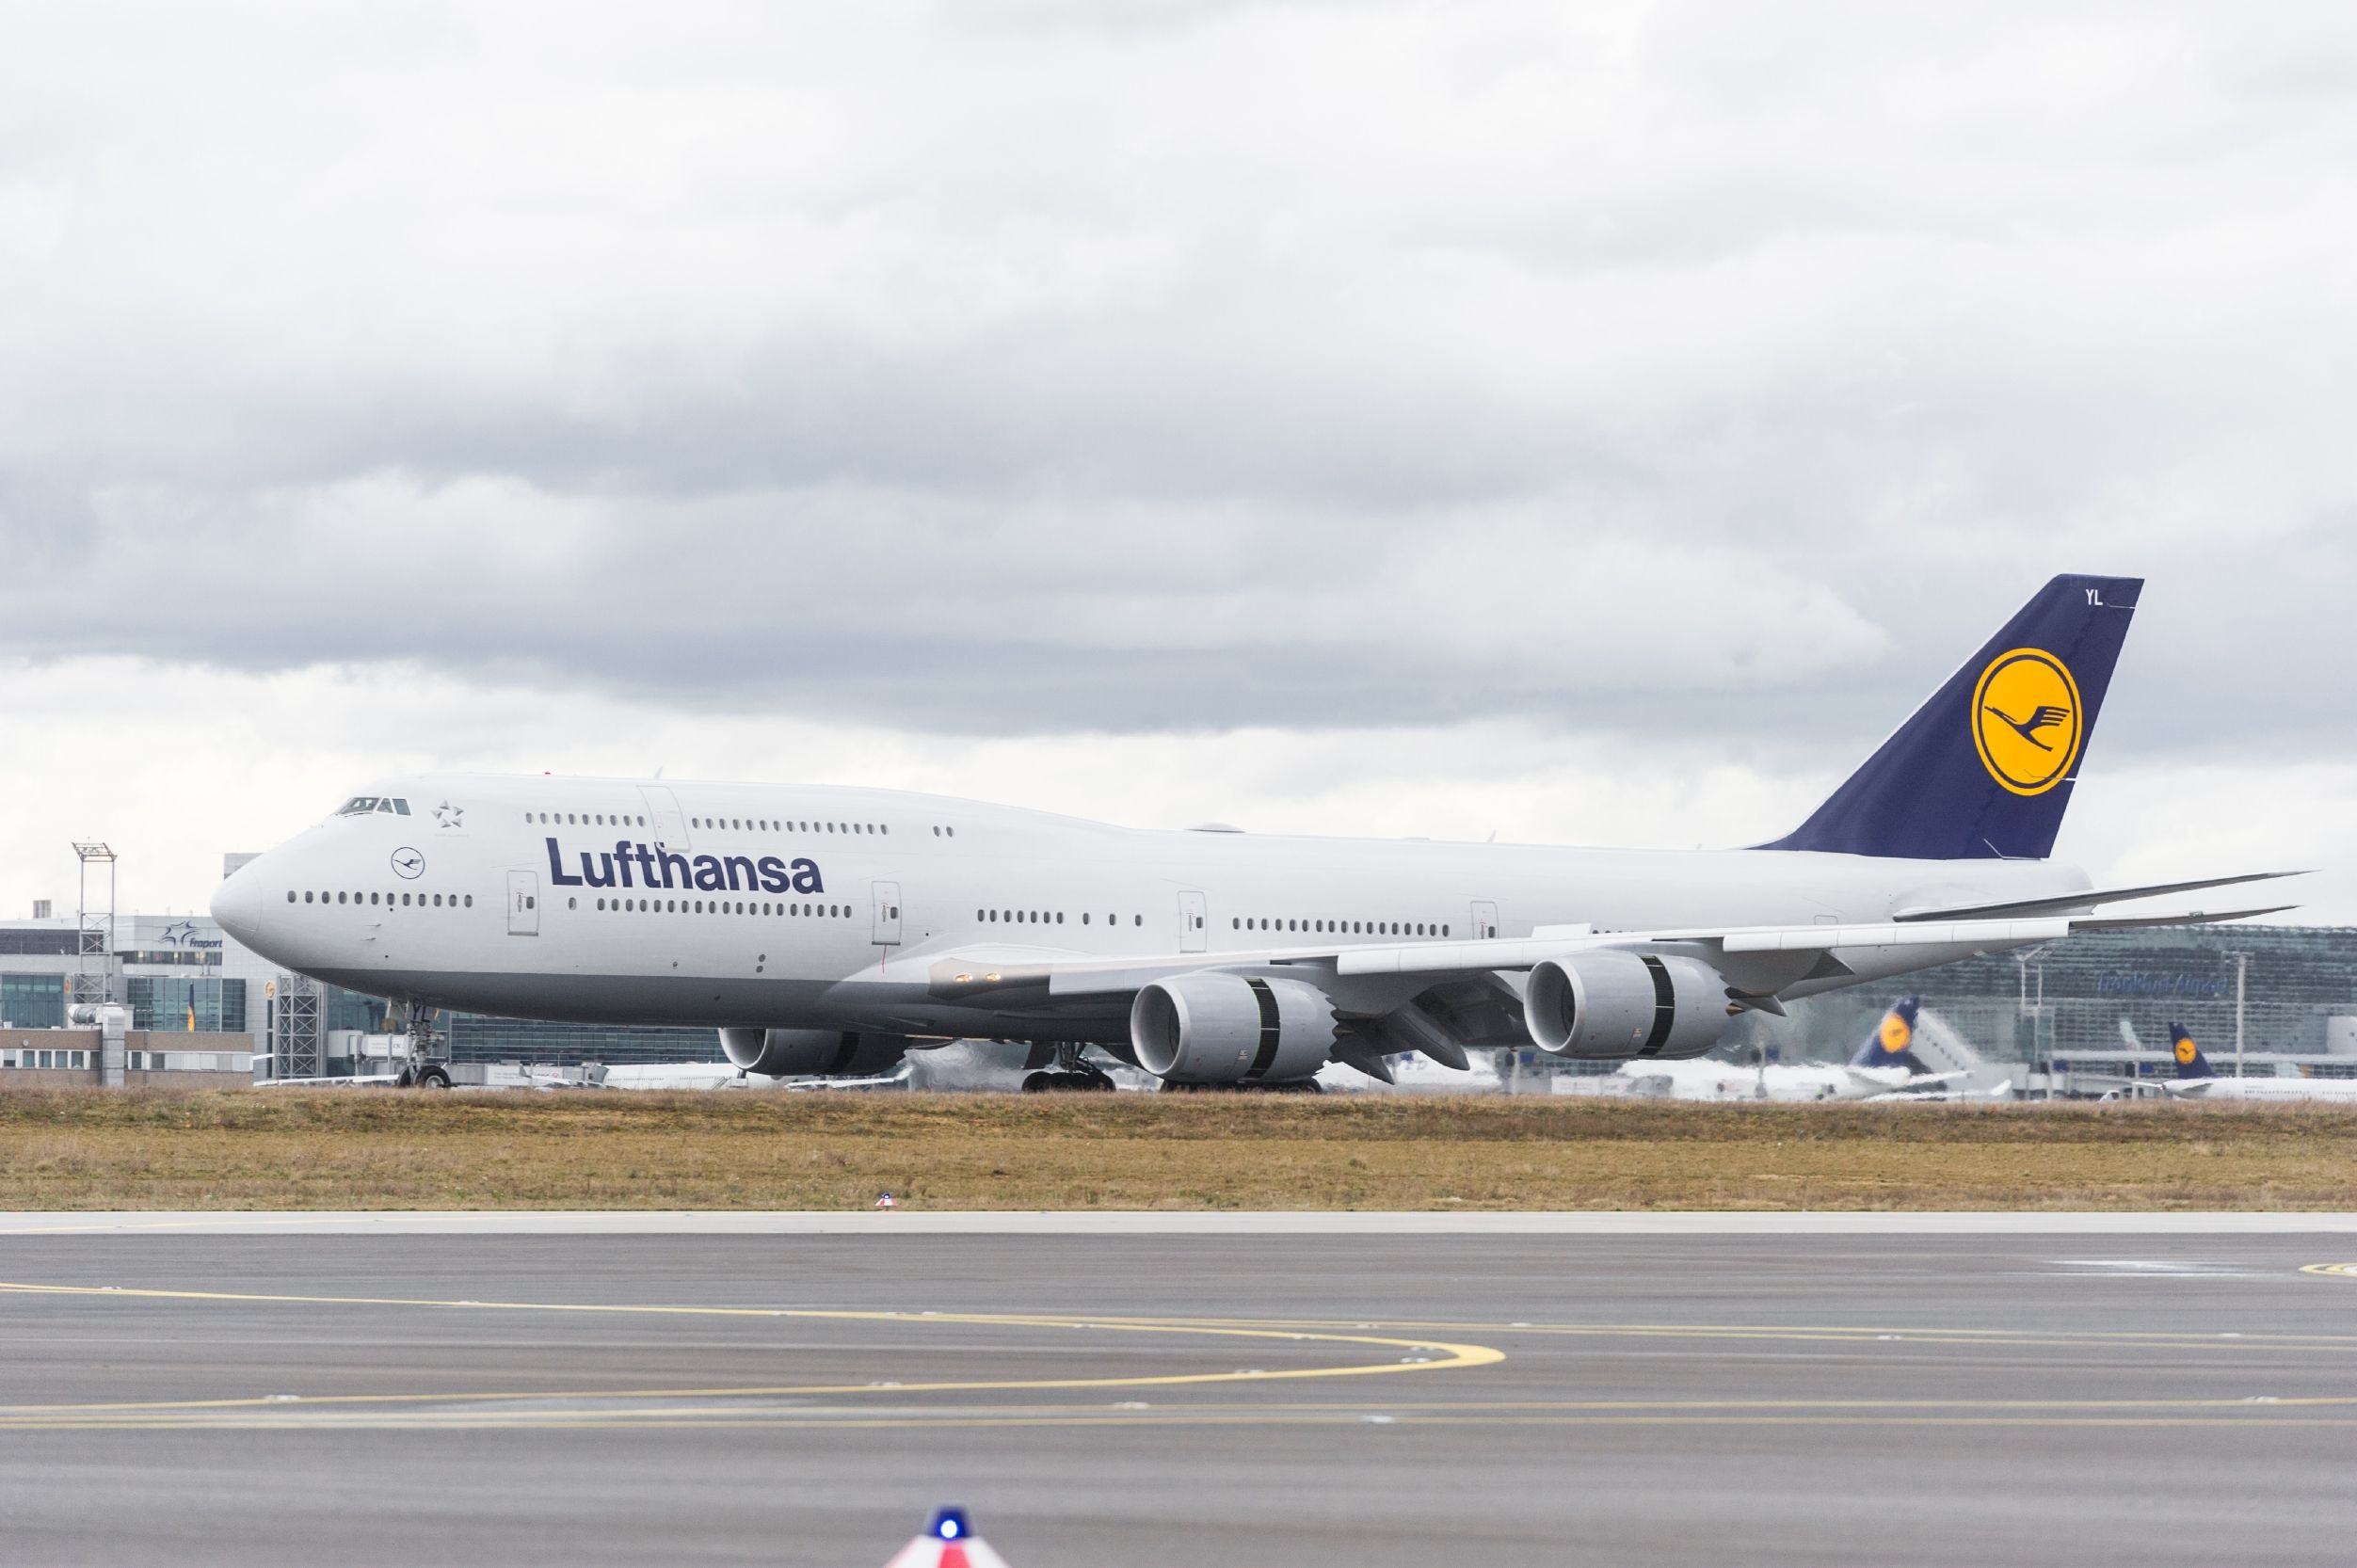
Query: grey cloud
{"points": [[1725, 371]]}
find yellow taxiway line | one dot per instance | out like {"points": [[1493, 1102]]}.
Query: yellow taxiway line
{"points": [[1421, 1356]]}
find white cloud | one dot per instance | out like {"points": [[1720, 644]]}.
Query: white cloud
{"points": [[1012, 385], [175, 770]]}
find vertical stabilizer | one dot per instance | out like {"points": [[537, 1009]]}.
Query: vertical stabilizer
{"points": [[2190, 1062], [1984, 769], [1893, 1041]]}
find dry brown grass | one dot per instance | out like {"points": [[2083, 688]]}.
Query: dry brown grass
{"points": [[387, 1149]]}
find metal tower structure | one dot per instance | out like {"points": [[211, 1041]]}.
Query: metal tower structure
{"points": [[94, 971], [296, 1042]]}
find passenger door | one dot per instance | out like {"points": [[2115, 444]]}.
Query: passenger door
{"points": [[1485, 919], [524, 903], [886, 915], [1192, 933], [664, 820]]}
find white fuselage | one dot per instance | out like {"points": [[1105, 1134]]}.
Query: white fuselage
{"points": [[807, 907], [2278, 1089], [1704, 1079]]}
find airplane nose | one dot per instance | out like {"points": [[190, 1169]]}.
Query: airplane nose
{"points": [[237, 906]]}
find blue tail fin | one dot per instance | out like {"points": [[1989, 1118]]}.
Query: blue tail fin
{"points": [[1892, 1042], [1983, 770], [2190, 1062]]}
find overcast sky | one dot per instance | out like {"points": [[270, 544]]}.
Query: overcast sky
{"points": [[1589, 424]]}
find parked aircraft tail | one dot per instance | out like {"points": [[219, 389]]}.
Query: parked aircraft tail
{"points": [[1984, 769], [1892, 1044], [2190, 1062]]}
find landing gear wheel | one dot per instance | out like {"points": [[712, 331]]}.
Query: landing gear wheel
{"points": [[1088, 1080], [433, 1077]]}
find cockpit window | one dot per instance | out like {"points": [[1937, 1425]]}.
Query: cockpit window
{"points": [[360, 806]]}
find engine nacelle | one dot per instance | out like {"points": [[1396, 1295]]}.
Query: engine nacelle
{"points": [[812, 1052], [1612, 1003], [1214, 1028]]}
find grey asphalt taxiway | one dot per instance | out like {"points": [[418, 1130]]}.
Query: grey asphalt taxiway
{"points": [[1116, 1390]]}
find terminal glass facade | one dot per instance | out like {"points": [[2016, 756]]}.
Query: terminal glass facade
{"points": [[343, 1009], [165, 1002], [33, 1000], [2115, 990]]}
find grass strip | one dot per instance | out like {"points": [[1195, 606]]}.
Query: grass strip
{"points": [[95, 1149]]}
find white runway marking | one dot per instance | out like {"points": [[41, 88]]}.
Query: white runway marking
{"points": [[2153, 1268], [1160, 1222]]}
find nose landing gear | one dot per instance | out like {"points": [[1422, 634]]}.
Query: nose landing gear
{"points": [[429, 1066]]}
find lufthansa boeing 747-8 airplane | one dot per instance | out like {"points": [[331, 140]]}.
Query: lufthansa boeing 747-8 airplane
{"points": [[828, 930]]}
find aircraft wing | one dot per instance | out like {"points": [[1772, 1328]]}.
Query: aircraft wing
{"points": [[2067, 904], [979, 972], [1877, 1088]]}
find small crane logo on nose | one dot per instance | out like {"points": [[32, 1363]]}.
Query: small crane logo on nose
{"points": [[408, 863]]}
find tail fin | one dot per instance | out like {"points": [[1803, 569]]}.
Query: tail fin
{"points": [[1984, 769], [1893, 1043], [2190, 1062]]}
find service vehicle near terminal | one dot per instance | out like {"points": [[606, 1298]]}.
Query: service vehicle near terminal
{"points": [[827, 930]]}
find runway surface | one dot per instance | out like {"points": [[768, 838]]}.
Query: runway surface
{"points": [[544, 1391]]}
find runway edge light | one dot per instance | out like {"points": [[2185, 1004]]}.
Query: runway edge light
{"points": [[948, 1541]]}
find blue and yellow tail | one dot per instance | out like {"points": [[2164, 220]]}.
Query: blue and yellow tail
{"points": [[1984, 769], [2190, 1062], [1893, 1043]]}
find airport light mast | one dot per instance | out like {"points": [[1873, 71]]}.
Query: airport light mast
{"points": [[2022, 961], [2242, 966]]}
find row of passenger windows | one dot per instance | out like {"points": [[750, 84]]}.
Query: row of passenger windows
{"points": [[730, 825], [716, 906], [423, 899], [1043, 916], [1344, 928], [764, 824]]}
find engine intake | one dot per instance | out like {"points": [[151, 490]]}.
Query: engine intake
{"points": [[1613, 1003], [1215, 1028], [811, 1052]]}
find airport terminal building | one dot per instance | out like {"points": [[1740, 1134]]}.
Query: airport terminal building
{"points": [[2100, 1004]]}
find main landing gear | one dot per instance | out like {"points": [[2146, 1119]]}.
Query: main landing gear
{"points": [[1072, 1073]]}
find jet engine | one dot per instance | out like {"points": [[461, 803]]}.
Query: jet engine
{"points": [[1217, 1028], [812, 1052], [1611, 1002]]}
